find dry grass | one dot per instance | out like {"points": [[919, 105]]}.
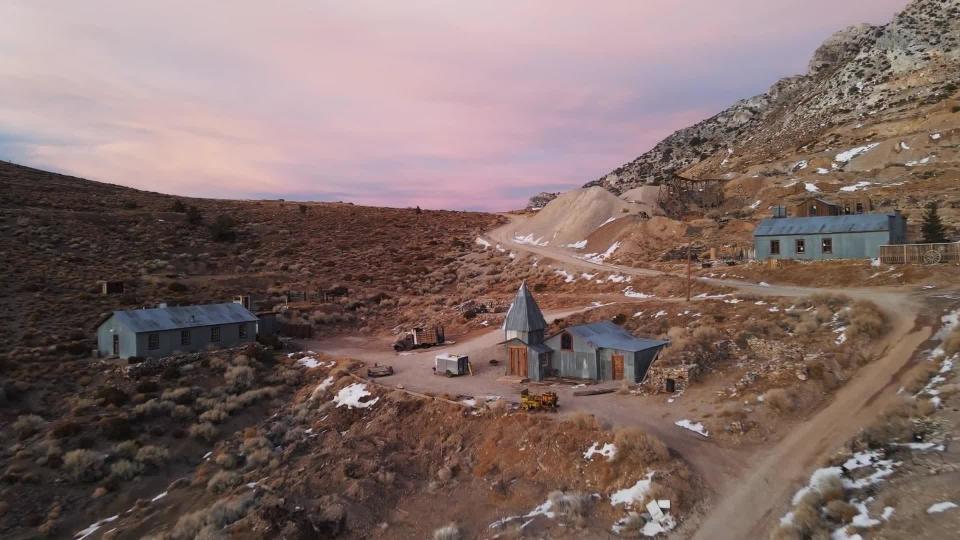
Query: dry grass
{"points": [[634, 443], [840, 511], [951, 345], [866, 320], [780, 400]]}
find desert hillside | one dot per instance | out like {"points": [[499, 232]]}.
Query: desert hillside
{"points": [[862, 79]]}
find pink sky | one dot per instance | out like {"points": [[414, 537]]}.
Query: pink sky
{"points": [[472, 105]]}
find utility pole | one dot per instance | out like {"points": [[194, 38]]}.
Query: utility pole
{"points": [[688, 272]]}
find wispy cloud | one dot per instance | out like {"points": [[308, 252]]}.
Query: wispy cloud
{"points": [[441, 104]]}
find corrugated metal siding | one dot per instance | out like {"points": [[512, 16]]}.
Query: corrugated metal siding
{"points": [[137, 344], [177, 317], [845, 246], [824, 225]]}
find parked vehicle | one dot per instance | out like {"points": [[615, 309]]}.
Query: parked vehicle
{"points": [[547, 401], [420, 338], [451, 365]]}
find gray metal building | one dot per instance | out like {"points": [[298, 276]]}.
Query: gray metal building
{"points": [[828, 237], [602, 351], [163, 331]]}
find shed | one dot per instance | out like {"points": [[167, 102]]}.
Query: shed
{"points": [[164, 331], [602, 351], [828, 237]]}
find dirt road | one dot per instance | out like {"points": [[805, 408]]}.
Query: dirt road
{"points": [[750, 486]]}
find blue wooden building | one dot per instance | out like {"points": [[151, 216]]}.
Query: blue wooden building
{"points": [[163, 331], [828, 237]]}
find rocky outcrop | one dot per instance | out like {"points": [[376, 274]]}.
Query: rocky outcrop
{"points": [[861, 74]]}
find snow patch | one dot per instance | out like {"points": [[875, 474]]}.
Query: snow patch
{"points": [[939, 507], [857, 187], [577, 245], [630, 293], [352, 395], [634, 494], [530, 240], [844, 157], [481, 242], [696, 427], [608, 450]]}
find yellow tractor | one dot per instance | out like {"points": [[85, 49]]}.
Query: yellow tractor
{"points": [[538, 402]]}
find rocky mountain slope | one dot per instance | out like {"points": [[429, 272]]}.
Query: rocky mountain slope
{"points": [[862, 75]]}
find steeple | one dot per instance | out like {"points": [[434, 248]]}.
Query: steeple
{"points": [[524, 314]]}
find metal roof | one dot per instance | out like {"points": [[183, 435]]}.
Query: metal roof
{"points": [[172, 318], [524, 314], [824, 224], [606, 335]]}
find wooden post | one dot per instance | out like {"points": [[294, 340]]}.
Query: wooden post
{"points": [[688, 272]]}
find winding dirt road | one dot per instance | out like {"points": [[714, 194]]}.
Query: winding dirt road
{"points": [[749, 487]]}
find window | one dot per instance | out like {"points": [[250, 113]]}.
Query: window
{"points": [[774, 247], [566, 341], [859, 207], [813, 209], [184, 337], [826, 245], [801, 246], [242, 331], [215, 334], [846, 209], [153, 342]]}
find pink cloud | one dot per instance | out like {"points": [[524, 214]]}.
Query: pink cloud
{"points": [[442, 104]]}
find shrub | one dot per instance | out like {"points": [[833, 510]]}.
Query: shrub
{"points": [[239, 377], [222, 229], [126, 449], [203, 430], [215, 415], [182, 412], [582, 420], [152, 456], [116, 428], [28, 424], [218, 515], [222, 481], [841, 511], [177, 287], [866, 320], [125, 469], [113, 396], [154, 407], [67, 430], [178, 206], [634, 442], [82, 465], [194, 216], [572, 505], [951, 345], [779, 399]]}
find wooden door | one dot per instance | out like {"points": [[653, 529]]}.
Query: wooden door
{"points": [[518, 361], [617, 367]]}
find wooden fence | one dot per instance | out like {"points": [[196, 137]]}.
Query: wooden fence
{"points": [[920, 254]]}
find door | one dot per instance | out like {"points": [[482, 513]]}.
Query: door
{"points": [[518, 361], [618, 367], [116, 345], [670, 386]]}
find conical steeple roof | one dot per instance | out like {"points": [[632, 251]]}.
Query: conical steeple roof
{"points": [[524, 314]]}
